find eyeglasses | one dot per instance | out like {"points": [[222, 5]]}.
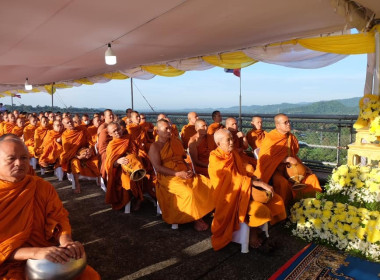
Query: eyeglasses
{"points": [[286, 122]]}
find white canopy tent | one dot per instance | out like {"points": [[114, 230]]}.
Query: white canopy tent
{"points": [[65, 40]]}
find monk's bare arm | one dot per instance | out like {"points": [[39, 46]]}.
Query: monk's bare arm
{"points": [[53, 254], [193, 151], [155, 159], [243, 139]]}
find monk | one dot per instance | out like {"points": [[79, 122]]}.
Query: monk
{"points": [[198, 148], [34, 224], [39, 135], [127, 116], [85, 120], [183, 196], [279, 148], [148, 127], [51, 118], [19, 128], [93, 130], [256, 135], [103, 140], [4, 121], [10, 124], [29, 131], [215, 126], [233, 180], [120, 188], [175, 132], [72, 161], [52, 146], [189, 129], [76, 120], [240, 141]]}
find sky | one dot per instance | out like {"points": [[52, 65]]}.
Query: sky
{"points": [[261, 84]]}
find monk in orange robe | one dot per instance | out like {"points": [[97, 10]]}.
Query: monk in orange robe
{"points": [[127, 117], [39, 135], [240, 141], [212, 128], [198, 148], [10, 124], [233, 180], [1, 123], [183, 196], [34, 224], [256, 135], [189, 129], [29, 131], [52, 146], [120, 187], [148, 127], [19, 128], [93, 130], [279, 148], [175, 132], [104, 139], [86, 164], [4, 120]]}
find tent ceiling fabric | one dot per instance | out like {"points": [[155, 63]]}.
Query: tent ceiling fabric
{"points": [[65, 40]]}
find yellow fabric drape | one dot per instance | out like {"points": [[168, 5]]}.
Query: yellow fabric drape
{"points": [[163, 70], [115, 76], [62, 85], [232, 60], [344, 44], [84, 81]]}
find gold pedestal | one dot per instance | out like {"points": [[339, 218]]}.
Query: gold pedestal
{"points": [[359, 149]]}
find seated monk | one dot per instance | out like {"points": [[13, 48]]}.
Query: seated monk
{"points": [[240, 141], [1, 123], [39, 135], [29, 131], [175, 132], [93, 130], [52, 146], [189, 129], [256, 135], [73, 158], [51, 118], [76, 120], [148, 127], [120, 187], [183, 196], [279, 148], [127, 117], [215, 126], [44, 230], [85, 120], [4, 121], [10, 124], [233, 180], [19, 128], [198, 148], [104, 139]]}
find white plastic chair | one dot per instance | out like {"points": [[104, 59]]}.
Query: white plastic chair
{"points": [[33, 162], [241, 236], [70, 177], [256, 153], [59, 173]]}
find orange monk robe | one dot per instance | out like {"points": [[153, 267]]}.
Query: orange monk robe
{"points": [[181, 201], [2, 127], [72, 141], [231, 178], [93, 133], [239, 145], [51, 149], [203, 156], [175, 132], [273, 151], [29, 138], [186, 133], [255, 137], [118, 181], [18, 131], [211, 129], [31, 215], [7, 127], [139, 137], [148, 127], [39, 135], [103, 140]]}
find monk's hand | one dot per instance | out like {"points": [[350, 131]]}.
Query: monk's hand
{"points": [[75, 248], [291, 160], [53, 254], [59, 140], [184, 174], [80, 157], [122, 160], [263, 185], [240, 134]]}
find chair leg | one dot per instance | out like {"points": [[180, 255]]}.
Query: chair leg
{"points": [[42, 171], [33, 162], [59, 173], [102, 185], [264, 228], [174, 226], [127, 209], [159, 212]]}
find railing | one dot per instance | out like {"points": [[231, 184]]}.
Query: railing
{"points": [[323, 139]]}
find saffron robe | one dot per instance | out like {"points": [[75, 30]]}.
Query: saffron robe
{"points": [[18, 131], [255, 137], [203, 156], [51, 149], [93, 134], [181, 200], [273, 151], [7, 127], [118, 181], [103, 140], [231, 178], [31, 215], [148, 127], [214, 127], [186, 133], [29, 138], [175, 132], [39, 135]]}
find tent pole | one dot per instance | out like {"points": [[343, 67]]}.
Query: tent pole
{"points": [[240, 120], [376, 77], [12, 101], [52, 98], [131, 93]]}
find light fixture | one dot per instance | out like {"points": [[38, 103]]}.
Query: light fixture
{"points": [[27, 85], [110, 56]]}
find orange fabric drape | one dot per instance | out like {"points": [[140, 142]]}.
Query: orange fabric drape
{"points": [[29, 138], [255, 137], [51, 149], [186, 133], [214, 127]]}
